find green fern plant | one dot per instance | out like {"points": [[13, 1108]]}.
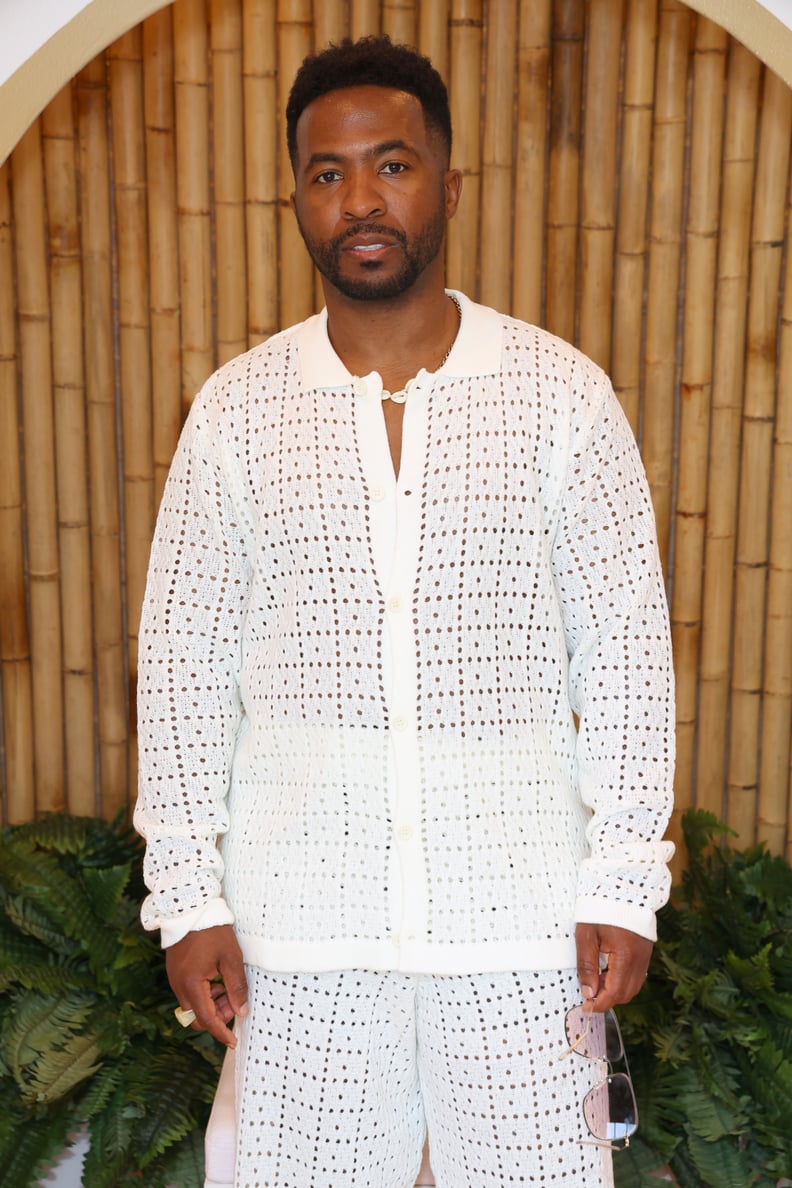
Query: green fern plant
{"points": [[710, 1035], [87, 1033]]}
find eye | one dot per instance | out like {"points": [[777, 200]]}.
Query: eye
{"points": [[327, 176], [392, 168]]}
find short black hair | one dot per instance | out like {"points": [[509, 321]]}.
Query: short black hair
{"points": [[370, 61]]}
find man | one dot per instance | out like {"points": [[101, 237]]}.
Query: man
{"points": [[403, 546]]}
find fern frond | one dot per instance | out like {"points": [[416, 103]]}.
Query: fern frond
{"points": [[169, 1112], [59, 897], [26, 962], [31, 921], [183, 1163], [720, 1164], [752, 974], [29, 1146], [105, 887], [634, 1165], [38, 1027], [112, 1139], [101, 1088], [711, 1118], [60, 832]]}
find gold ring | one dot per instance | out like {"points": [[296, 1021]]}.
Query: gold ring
{"points": [[185, 1016]]}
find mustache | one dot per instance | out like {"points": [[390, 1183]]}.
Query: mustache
{"points": [[367, 229]]}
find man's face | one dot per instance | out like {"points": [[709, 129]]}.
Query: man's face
{"points": [[372, 192]]}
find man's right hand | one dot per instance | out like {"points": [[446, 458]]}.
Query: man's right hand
{"points": [[207, 975]]}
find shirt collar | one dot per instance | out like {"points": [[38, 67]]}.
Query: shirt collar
{"points": [[476, 350]]}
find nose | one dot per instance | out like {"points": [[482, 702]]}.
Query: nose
{"points": [[362, 197]]}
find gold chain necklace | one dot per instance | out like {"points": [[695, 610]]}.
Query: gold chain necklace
{"points": [[402, 394]]}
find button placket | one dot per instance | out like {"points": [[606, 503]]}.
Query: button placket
{"points": [[377, 468], [401, 645]]}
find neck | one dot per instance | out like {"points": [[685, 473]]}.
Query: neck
{"points": [[397, 336]]}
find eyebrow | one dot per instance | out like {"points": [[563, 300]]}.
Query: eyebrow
{"points": [[386, 146]]}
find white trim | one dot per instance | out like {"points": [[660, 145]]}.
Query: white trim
{"points": [[32, 73]]}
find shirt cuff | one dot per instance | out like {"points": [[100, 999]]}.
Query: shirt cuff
{"points": [[209, 915], [591, 910]]}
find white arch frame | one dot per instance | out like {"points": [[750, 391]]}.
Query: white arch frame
{"points": [[67, 47], [97, 23]]}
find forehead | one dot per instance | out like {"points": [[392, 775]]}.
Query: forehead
{"points": [[358, 117]]}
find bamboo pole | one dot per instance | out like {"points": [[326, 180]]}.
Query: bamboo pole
{"points": [[39, 461], [466, 47], [191, 76], [400, 21], [433, 30], [19, 801], [633, 201], [598, 214], [365, 18], [564, 167], [753, 533], [261, 167], [163, 258], [665, 242], [100, 386], [71, 453], [229, 178], [296, 273], [775, 787], [134, 336], [701, 249], [737, 174], [498, 157], [531, 158], [330, 22]]}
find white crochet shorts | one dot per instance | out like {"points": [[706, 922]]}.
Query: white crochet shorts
{"points": [[339, 1075]]}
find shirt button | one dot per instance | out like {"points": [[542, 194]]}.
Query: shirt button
{"points": [[395, 604], [378, 493], [405, 832], [399, 722]]}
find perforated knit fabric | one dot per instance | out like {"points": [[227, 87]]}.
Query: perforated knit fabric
{"points": [[368, 686], [338, 1075]]}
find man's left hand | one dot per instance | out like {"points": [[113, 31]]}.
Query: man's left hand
{"points": [[627, 955]]}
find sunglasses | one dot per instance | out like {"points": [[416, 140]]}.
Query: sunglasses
{"points": [[609, 1108]]}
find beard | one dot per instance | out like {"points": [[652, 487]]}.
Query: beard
{"points": [[417, 254]]}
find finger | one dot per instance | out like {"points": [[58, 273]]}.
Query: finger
{"points": [[232, 970], [221, 1003], [628, 962], [588, 955], [210, 1014], [206, 998]]}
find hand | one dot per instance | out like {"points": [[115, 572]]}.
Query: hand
{"points": [[627, 956], [194, 963]]}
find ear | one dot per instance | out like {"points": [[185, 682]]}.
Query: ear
{"points": [[453, 188]]}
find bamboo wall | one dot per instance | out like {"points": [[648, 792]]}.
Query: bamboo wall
{"points": [[626, 185]]}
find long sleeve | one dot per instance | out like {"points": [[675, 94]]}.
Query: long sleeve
{"points": [[189, 707], [609, 579]]}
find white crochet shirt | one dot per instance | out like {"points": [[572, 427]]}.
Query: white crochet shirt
{"points": [[367, 687]]}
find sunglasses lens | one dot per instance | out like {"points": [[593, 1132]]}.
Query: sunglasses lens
{"points": [[610, 1110], [595, 1036]]}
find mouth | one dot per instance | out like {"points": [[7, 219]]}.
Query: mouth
{"points": [[368, 243], [368, 253]]}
